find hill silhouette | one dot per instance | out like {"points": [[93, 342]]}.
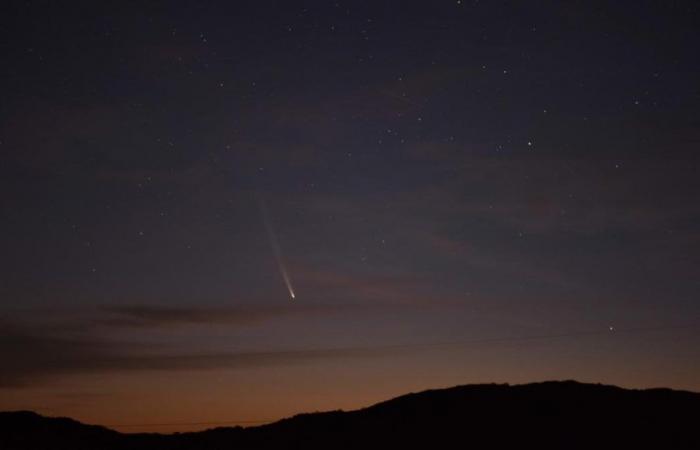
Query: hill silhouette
{"points": [[544, 415]]}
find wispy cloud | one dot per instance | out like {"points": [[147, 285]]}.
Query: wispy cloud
{"points": [[160, 316], [31, 357]]}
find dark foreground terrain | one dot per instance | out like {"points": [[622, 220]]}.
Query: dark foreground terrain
{"points": [[561, 415]]}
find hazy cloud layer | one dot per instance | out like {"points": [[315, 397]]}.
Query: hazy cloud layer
{"points": [[158, 316], [31, 357]]}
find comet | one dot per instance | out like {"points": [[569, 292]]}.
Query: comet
{"points": [[276, 249]]}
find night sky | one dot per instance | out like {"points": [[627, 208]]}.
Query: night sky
{"points": [[452, 191]]}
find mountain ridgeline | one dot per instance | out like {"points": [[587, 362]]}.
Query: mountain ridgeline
{"points": [[549, 415]]}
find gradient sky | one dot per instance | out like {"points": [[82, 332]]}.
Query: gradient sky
{"points": [[458, 191]]}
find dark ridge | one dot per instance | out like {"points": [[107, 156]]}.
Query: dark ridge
{"points": [[548, 415], [26, 429]]}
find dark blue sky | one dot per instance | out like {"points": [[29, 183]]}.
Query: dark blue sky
{"points": [[461, 191]]}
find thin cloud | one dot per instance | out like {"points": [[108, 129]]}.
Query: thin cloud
{"points": [[65, 321], [30, 358], [159, 316]]}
